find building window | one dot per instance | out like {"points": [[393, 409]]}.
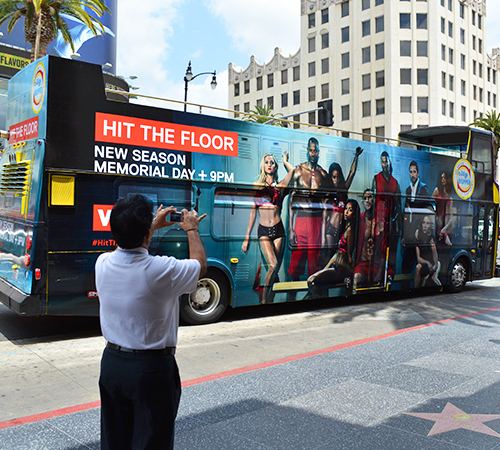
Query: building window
{"points": [[489, 98], [450, 55], [473, 42], [270, 102], [443, 80], [325, 40], [443, 25], [312, 20], [422, 76], [312, 118], [423, 104], [365, 28], [284, 100], [462, 61], [345, 86], [259, 83], [345, 134], [450, 28], [452, 110], [366, 81], [494, 76], [247, 86], [324, 91], [311, 45], [494, 100], [366, 108], [365, 4], [379, 24], [236, 108], [488, 71], [345, 112], [345, 9], [443, 52], [380, 106], [366, 134], [462, 89], [443, 107], [345, 60], [405, 127], [464, 115], [451, 83], [473, 18], [311, 68], [365, 55], [462, 10], [259, 102], [325, 65], [405, 76], [474, 67], [474, 92], [379, 51], [312, 94], [296, 97], [462, 36], [379, 2], [380, 79], [344, 34], [246, 107], [422, 48], [380, 133], [450, 4], [404, 48], [270, 80], [479, 21], [296, 73], [480, 70], [406, 104], [236, 89], [284, 76], [421, 21], [324, 16], [481, 94], [296, 118], [404, 20]]}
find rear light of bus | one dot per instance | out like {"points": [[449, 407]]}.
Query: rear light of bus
{"points": [[38, 274], [28, 243], [27, 259]]}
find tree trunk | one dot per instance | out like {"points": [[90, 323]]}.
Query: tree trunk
{"points": [[42, 51]]}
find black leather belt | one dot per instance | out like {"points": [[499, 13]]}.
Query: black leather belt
{"points": [[167, 351]]}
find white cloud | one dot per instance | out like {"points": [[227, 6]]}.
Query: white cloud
{"points": [[258, 29]]}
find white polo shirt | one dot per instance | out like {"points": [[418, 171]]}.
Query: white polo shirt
{"points": [[138, 294]]}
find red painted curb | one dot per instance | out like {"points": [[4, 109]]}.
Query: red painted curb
{"points": [[217, 376]]}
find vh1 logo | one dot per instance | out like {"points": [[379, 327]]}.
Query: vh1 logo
{"points": [[102, 214]]}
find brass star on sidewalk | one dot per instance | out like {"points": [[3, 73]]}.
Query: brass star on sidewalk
{"points": [[453, 418]]}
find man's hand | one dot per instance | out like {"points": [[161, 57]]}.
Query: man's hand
{"points": [[190, 220], [160, 220]]}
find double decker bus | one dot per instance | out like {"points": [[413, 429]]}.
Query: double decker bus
{"points": [[285, 206]]}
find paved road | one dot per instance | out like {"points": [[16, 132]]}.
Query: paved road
{"points": [[52, 363]]}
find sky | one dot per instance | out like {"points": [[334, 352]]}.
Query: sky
{"points": [[157, 39]]}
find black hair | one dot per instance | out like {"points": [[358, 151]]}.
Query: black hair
{"points": [[313, 141], [414, 163], [354, 224], [449, 182], [341, 190], [130, 220]]}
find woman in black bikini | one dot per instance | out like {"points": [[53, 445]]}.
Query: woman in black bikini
{"points": [[341, 265], [268, 201]]}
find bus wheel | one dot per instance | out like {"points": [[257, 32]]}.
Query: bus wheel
{"points": [[459, 276], [208, 302]]}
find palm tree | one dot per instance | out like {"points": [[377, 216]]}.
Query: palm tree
{"points": [[43, 20], [490, 122], [262, 114]]}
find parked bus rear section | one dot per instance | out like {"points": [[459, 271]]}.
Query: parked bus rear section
{"points": [[72, 153]]}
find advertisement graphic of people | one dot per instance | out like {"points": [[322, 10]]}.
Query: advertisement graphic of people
{"points": [[444, 204], [307, 213], [268, 202], [427, 258], [414, 192], [340, 265], [367, 261], [334, 206], [387, 211]]}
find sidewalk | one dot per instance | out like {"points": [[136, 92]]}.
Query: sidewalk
{"points": [[434, 386]]}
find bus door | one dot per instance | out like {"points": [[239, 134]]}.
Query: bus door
{"points": [[484, 241]]}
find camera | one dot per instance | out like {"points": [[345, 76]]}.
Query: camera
{"points": [[175, 217]]}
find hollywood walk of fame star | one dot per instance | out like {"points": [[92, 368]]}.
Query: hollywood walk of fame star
{"points": [[453, 418]]}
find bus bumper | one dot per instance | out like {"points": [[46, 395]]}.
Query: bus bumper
{"points": [[18, 301]]}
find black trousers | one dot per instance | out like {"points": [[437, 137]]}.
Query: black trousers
{"points": [[139, 400]]}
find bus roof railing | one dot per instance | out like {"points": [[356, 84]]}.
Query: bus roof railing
{"points": [[380, 139]]}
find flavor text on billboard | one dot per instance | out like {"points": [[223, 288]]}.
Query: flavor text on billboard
{"points": [[151, 133]]}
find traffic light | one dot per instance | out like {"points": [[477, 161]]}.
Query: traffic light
{"points": [[325, 115]]}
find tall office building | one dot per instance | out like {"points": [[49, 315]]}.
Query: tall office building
{"points": [[382, 66]]}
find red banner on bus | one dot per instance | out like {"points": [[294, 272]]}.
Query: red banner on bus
{"points": [[151, 133], [22, 131]]}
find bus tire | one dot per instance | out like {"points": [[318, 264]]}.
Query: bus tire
{"points": [[208, 302], [459, 275]]}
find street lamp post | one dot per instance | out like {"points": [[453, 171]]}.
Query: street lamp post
{"points": [[189, 77]]}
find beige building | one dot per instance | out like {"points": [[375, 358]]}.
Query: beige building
{"points": [[386, 66]]}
